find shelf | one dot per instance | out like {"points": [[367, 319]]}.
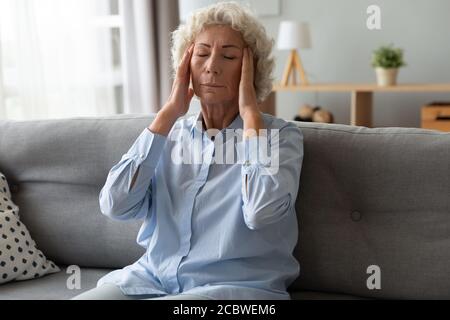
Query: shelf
{"points": [[355, 87], [362, 95]]}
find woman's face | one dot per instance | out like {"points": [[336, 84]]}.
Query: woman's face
{"points": [[216, 65]]}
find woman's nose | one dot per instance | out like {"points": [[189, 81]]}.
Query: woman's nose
{"points": [[213, 66], [209, 70]]}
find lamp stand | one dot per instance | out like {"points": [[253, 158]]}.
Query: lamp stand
{"points": [[294, 64]]}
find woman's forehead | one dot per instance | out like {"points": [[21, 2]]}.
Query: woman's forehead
{"points": [[220, 35]]}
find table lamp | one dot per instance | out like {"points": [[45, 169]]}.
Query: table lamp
{"points": [[293, 35]]}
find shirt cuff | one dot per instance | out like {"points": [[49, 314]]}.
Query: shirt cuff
{"points": [[147, 148]]}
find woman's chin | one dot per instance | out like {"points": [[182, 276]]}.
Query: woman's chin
{"points": [[210, 98]]}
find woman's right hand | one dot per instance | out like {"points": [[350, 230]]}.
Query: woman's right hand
{"points": [[178, 103], [180, 98]]}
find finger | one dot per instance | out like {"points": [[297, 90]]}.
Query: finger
{"points": [[251, 65], [244, 64], [246, 68], [183, 68], [186, 59]]}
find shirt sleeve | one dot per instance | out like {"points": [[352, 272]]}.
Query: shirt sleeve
{"points": [[270, 182], [117, 199]]}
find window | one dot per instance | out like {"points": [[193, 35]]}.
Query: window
{"points": [[61, 58], [109, 24]]}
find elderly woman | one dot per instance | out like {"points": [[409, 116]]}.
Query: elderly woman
{"points": [[211, 230]]}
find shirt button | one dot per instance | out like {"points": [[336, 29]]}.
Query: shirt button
{"points": [[142, 156]]}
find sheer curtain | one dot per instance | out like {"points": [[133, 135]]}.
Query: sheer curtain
{"points": [[50, 60], [62, 58], [147, 28]]}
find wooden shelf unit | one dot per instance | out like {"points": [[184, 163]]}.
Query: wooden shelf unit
{"points": [[362, 95]]}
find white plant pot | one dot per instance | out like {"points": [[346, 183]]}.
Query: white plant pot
{"points": [[386, 77]]}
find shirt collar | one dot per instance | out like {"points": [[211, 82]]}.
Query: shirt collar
{"points": [[197, 124]]}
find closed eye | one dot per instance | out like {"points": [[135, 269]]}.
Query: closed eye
{"points": [[226, 57]]}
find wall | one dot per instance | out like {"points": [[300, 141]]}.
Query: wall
{"points": [[342, 46]]}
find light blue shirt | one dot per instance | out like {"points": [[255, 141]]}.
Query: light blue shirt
{"points": [[219, 230]]}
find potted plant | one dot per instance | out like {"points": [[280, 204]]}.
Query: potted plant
{"points": [[386, 60]]}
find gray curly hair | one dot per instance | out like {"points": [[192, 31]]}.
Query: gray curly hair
{"points": [[240, 19]]}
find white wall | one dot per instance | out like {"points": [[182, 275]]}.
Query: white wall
{"points": [[342, 46]]}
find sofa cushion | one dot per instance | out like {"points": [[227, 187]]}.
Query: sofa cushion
{"points": [[374, 197], [55, 287], [20, 259], [52, 286]]}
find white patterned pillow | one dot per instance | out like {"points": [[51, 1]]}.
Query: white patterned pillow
{"points": [[19, 257]]}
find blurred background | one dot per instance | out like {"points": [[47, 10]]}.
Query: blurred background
{"points": [[67, 58]]}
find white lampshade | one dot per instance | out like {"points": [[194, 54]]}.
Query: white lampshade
{"points": [[293, 35]]}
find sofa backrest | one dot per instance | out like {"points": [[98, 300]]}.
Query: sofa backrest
{"points": [[374, 201], [368, 197], [55, 170]]}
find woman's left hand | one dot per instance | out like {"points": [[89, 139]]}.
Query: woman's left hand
{"points": [[247, 95]]}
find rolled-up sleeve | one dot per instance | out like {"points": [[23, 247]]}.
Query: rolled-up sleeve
{"points": [[270, 184], [118, 200]]}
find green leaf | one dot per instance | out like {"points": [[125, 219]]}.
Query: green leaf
{"points": [[388, 57]]}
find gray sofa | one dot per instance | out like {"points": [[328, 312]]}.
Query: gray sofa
{"points": [[367, 197]]}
